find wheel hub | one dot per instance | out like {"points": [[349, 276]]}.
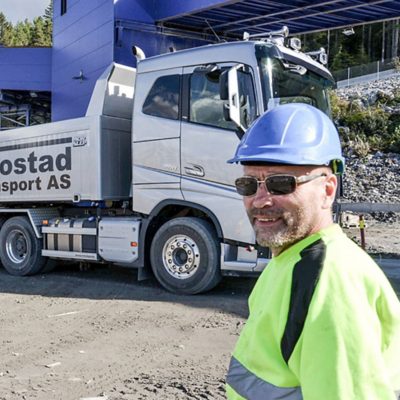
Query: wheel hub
{"points": [[181, 256], [16, 246]]}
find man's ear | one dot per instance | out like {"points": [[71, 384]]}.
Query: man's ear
{"points": [[331, 184]]}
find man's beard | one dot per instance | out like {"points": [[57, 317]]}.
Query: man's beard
{"points": [[292, 228]]}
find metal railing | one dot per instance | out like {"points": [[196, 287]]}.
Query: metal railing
{"points": [[388, 261], [366, 72]]}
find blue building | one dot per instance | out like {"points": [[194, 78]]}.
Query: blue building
{"points": [[90, 34]]}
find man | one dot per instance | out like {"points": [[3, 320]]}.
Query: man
{"points": [[324, 321]]}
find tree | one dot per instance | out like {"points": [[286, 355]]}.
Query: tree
{"points": [[48, 24], [38, 34], [6, 31], [48, 12], [22, 34], [25, 33], [369, 43], [3, 21], [341, 59]]}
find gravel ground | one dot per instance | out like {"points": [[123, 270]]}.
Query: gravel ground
{"points": [[70, 335], [99, 334], [382, 239]]}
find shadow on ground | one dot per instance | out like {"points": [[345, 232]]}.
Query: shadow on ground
{"points": [[103, 282]]}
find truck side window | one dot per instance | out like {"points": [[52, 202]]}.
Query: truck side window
{"points": [[163, 98], [206, 106]]}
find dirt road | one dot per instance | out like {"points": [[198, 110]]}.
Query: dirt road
{"points": [[99, 334]]}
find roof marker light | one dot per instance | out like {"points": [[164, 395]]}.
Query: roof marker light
{"points": [[295, 43]]}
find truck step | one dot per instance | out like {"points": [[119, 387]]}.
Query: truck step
{"points": [[70, 255], [245, 266]]}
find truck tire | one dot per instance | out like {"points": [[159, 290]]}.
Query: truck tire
{"points": [[20, 249], [185, 256], [2, 220]]}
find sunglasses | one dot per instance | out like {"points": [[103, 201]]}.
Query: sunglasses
{"points": [[275, 184]]}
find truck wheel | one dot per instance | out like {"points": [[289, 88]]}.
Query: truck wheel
{"points": [[20, 249], [185, 256]]}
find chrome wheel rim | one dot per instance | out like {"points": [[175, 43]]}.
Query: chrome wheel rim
{"points": [[17, 247], [181, 256]]}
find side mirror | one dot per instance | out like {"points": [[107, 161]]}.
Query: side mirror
{"points": [[234, 96], [224, 86]]}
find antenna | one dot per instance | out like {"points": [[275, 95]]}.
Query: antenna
{"points": [[212, 30]]}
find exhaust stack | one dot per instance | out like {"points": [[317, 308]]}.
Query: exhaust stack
{"points": [[138, 53]]}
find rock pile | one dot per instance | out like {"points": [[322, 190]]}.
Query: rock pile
{"points": [[375, 178], [367, 94]]}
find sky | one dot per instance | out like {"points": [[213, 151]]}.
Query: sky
{"points": [[18, 10]]}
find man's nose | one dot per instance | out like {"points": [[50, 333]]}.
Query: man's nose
{"points": [[262, 198]]}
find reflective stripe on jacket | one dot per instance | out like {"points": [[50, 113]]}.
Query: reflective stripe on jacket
{"points": [[249, 386], [324, 323]]}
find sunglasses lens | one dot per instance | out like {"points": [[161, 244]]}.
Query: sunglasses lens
{"points": [[281, 184], [246, 186]]}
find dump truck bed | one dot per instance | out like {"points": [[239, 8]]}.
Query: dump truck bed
{"points": [[82, 159]]}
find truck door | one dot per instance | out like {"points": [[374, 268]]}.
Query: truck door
{"points": [[156, 138], [207, 139]]}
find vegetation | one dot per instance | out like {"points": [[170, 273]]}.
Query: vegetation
{"points": [[32, 34], [368, 43], [363, 129], [367, 129]]}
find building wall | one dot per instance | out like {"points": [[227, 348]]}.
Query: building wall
{"points": [[149, 39], [137, 10], [135, 25], [83, 40], [92, 34], [25, 68]]}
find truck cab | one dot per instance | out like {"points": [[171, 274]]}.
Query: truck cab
{"points": [[190, 111]]}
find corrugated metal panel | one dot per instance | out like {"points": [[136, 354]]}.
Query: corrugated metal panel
{"points": [[25, 68], [82, 49]]}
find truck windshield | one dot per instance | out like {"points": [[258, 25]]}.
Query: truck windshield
{"points": [[286, 82]]}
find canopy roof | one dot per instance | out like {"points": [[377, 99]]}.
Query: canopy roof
{"points": [[232, 18]]}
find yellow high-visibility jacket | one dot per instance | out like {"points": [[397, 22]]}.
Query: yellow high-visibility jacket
{"points": [[324, 324]]}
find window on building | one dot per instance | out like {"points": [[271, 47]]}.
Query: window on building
{"points": [[63, 7], [163, 98]]}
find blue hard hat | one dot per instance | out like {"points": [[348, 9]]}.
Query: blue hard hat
{"points": [[295, 134]]}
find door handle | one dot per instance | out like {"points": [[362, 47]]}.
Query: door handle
{"points": [[194, 170]]}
